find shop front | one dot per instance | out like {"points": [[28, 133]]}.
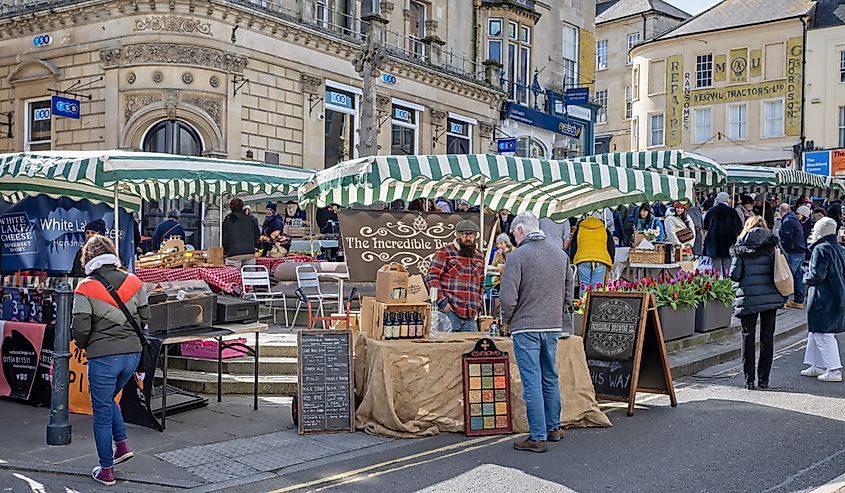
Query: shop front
{"points": [[567, 131]]}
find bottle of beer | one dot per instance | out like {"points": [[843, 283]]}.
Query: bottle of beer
{"points": [[388, 325], [403, 325], [418, 325]]}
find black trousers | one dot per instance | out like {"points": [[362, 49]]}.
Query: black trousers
{"points": [[767, 345]]}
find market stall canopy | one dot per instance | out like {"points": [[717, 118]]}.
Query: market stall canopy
{"points": [[549, 188], [770, 176], [15, 189], [703, 170], [154, 176]]}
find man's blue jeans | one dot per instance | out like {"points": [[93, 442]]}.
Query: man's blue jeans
{"points": [[591, 274], [535, 354], [107, 375], [796, 262], [462, 324]]}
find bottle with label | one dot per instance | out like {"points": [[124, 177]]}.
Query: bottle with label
{"points": [[388, 325], [394, 326], [418, 325], [403, 325]]}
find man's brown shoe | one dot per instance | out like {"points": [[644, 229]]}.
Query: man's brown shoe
{"points": [[529, 445], [792, 304], [554, 435]]}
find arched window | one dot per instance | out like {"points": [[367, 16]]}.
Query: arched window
{"points": [[173, 137], [530, 147]]}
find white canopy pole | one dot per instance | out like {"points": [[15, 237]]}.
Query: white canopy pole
{"points": [[117, 219]]}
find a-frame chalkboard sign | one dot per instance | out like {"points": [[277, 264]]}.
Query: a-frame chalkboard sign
{"points": [[623, 342]]}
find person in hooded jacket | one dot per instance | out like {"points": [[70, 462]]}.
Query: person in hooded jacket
{"points": [[593, 250], [240, 236], [826, 307], [835, 212], [722, 227], [753, 273]]}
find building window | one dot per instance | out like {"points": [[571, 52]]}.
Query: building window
{"points": [[601, 100], [519, 61], [403, 131], [702, 125], [530, 147], [173, 137], [368, 7], [842, 126], [635, 134], [704, 70], [494, 40], [773, 118], [635, 80], [601, 54], [512, 27], [570, 56], [629, 102], [417, 26], [341, 115], [633, 40], [655, 130], [842, 66], [458, 137], [39, 131], [738, 121]]}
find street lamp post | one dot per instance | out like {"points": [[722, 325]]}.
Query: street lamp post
{"points": [[59, 429]]}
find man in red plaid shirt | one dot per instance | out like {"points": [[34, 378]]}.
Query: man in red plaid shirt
{"points": [[457, 271]]}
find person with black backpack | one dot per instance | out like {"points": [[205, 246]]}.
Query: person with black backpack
{"points": [[109, 308]]}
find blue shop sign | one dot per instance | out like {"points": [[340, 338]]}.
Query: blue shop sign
{"points": [[577, 95], [506, 145], [66, 107], [539, 119], [817, 162], [336, 98]]}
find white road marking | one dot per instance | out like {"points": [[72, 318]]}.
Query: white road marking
{"points": [[68, 490], [34, 485], [835, 486], [820, 463]]}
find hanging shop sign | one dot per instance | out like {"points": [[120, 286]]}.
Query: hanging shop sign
{"points": [[66, 107], [505, 145], [577, 95], [539, 119], [817, 162]]}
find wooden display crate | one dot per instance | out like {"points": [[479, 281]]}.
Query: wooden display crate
{"points": [[374, 313]]}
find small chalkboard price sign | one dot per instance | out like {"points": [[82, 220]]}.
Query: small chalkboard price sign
{"points": [[325, 397], [623, 342], [487, 390]]}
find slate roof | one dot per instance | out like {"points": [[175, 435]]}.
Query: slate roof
{"points": [[829, 13], [737, 13], [612, 10]]}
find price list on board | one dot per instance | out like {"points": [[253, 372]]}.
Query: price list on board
{"points": [[325, 381]]}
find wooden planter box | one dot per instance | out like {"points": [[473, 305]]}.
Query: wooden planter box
{"points": [[676, 324], [712, 316]]}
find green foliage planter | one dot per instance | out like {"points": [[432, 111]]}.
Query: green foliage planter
{"points": [[712, 316], [676, 324]]}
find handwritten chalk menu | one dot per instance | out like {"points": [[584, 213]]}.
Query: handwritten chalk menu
{"points": [[326, 385], [623, 342]]}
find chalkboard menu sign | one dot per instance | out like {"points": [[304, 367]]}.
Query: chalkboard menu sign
{"points": [[326, 385], [623, 343]]}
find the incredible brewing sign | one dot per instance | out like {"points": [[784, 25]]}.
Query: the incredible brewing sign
{"points": [[374, 238], [623, 343]]}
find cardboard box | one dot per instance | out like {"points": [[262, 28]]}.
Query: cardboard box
{"points": [[374, 313], [392, 283], [354, 322], [417, 290]]}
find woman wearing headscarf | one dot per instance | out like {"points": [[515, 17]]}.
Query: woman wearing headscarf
{"points": [[647, 220], [826, 308], [112, 345], [753, 273]]}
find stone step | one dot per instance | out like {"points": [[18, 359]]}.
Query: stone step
{"points": [[206, 383], [270, 365]]}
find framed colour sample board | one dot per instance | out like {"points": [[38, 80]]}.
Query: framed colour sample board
{"points": [[325, 395], [487, 390], [623, 342]]}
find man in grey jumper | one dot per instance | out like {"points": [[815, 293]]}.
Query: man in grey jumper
{"points": [[536, 290]]}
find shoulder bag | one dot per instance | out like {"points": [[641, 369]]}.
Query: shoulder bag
{"points": [[783, 274]]}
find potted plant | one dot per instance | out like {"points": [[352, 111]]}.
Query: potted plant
{"points": [[676, 298], [716, 306]]}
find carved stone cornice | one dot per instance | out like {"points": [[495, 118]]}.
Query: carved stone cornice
{"points": [[173, 99], [486, 129], [173, 24], [311, 84], [437, 116], [211, 106], [382, 101], [135, 102], [171, 53]]}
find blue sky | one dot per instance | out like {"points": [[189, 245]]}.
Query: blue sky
{"points": [[693, 6]]}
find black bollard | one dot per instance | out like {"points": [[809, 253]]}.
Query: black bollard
{"points": [[59, 429]]}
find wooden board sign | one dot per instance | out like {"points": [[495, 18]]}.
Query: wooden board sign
{"points": [[487, 390], [325, 396], [623, 342]]}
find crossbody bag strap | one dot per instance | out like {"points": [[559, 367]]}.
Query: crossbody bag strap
{"points": [[134, 323]]}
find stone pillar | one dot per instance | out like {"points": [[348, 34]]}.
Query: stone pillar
{"points": [[492, 72], [211, 232]]}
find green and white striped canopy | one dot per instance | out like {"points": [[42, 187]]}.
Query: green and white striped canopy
{"points": [[155, 176], [703, 170], [741, 174], [548, 188], [16, 189]]}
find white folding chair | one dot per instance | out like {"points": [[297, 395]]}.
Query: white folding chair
{"points": [[255, 286], [308, 280]]}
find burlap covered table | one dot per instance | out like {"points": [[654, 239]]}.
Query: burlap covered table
{"points": [[413, 389]]}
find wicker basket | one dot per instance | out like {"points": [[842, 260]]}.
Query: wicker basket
{"points": [[656, 256]]}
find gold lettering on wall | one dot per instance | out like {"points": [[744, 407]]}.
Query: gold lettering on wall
{"points": [[720, 68], [794, 86], [755, 64], [738, 67], [736, 94], [674, 99]]}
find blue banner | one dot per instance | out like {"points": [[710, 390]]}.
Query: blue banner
{"points": [[539, 119], [44, 234], [817, 162], [577, 95], [66, 107], [506, 145]]}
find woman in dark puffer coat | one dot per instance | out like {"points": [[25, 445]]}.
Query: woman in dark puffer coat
{"points": [[752, 270]]}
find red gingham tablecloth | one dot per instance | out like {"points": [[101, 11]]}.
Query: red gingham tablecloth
{"points": [[220, 279], [271, 263]]}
